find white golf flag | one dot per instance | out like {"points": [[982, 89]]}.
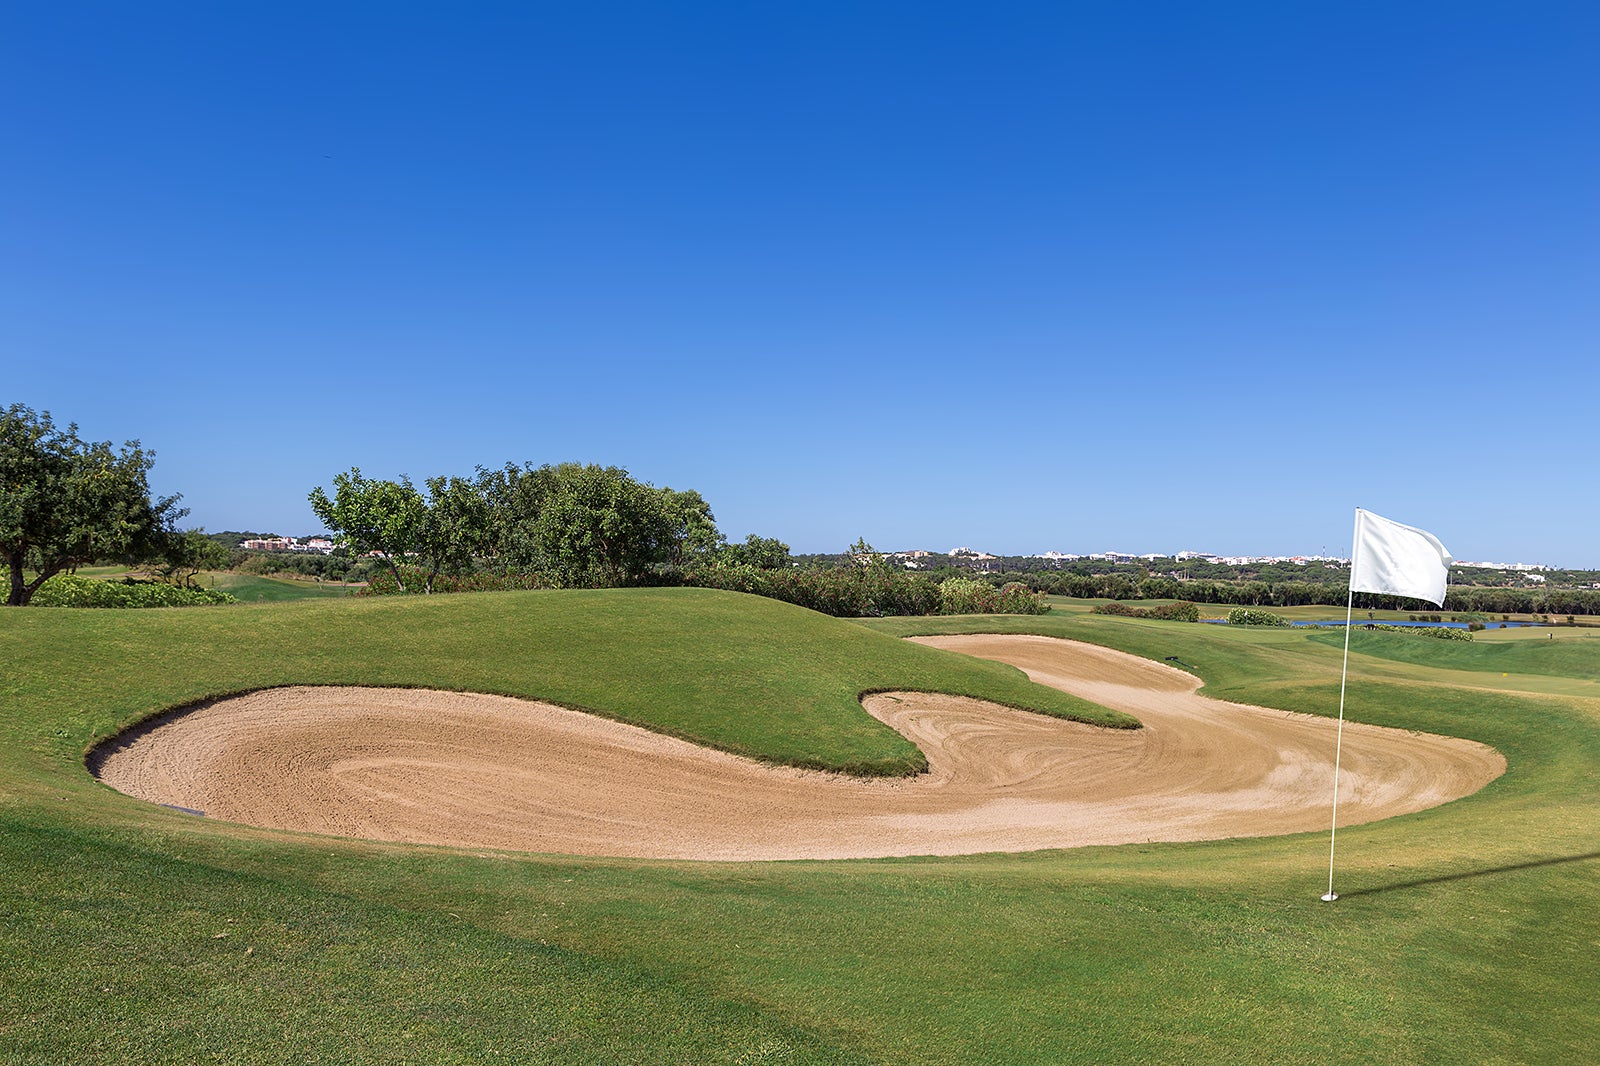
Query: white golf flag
{"points": [[1399, 560]]}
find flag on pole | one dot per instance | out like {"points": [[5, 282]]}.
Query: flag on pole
{"points": [[1398, 560]]}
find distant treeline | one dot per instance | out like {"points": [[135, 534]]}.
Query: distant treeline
{"points": [[1468, 599], [1312, 573]]}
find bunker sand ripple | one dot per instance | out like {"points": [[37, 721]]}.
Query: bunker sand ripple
{"points": [[479, 771]]}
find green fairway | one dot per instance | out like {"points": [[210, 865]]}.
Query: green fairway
{"points": [[253, 588], [129, 932]]}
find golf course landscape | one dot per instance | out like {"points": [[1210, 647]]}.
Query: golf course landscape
{"points": [[801, 534], [135, 932]]}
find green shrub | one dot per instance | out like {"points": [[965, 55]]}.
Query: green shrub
{"points": [[1017, 598], [964, 595], [870, 592], [69, 590], [1177, 611], [1438, 632], [844, 592], [382, 582], [1244, 616]]}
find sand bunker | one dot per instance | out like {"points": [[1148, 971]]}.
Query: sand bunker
{"points": [[488, 771]]}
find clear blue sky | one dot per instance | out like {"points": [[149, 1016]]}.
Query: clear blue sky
{"points": [[1071, 275]]}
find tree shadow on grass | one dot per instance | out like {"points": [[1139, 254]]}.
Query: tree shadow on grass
{"points": [[1447, 878]]}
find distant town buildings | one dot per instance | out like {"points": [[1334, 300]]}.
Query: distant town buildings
{"points": [[313, 545], [268, 544]]}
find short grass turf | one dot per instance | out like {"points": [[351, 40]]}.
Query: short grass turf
{"points": [[132, 933]]}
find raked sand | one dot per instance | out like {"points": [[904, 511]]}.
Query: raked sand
{"points": [[493, 772]]}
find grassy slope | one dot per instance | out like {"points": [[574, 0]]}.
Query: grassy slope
{"points": [[742, 673], [1466, 933]]}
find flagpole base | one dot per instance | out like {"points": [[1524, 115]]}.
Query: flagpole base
{"points": [[1330, 897]]}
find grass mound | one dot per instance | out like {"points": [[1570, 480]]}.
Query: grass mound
{"points": [[742, 673]]}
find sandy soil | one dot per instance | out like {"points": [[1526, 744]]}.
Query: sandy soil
{"points": [[488, 771]]}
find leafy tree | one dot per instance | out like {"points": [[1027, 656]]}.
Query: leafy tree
{"points": [[65, 501], [597, 527], [446, 529], [763, 553], [867, 557], [454, 529], [692, 533], [192, 551], [368, 516], [514, 494], [582, 524]]}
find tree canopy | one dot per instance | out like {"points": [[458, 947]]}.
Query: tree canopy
{"points": [[190, 552], [444, 529], [589, 525], [65, 502], [569, 525], [763, 553]]}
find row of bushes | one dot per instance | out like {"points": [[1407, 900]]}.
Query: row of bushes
{"points": [[382, 582], [1478, 619], [963, 595], [69, 590], [845, 592], [1178, 611], [1438, 632], [1123, 586], [868, 592]]}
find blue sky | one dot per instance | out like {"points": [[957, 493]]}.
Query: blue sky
{"points": [[1071, 276]]}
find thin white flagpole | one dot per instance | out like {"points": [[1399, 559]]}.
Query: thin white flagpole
{"points": [[1344, 673]]}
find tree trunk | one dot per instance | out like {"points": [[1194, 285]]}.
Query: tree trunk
{"points": [[22, 591], [16, 598]]}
